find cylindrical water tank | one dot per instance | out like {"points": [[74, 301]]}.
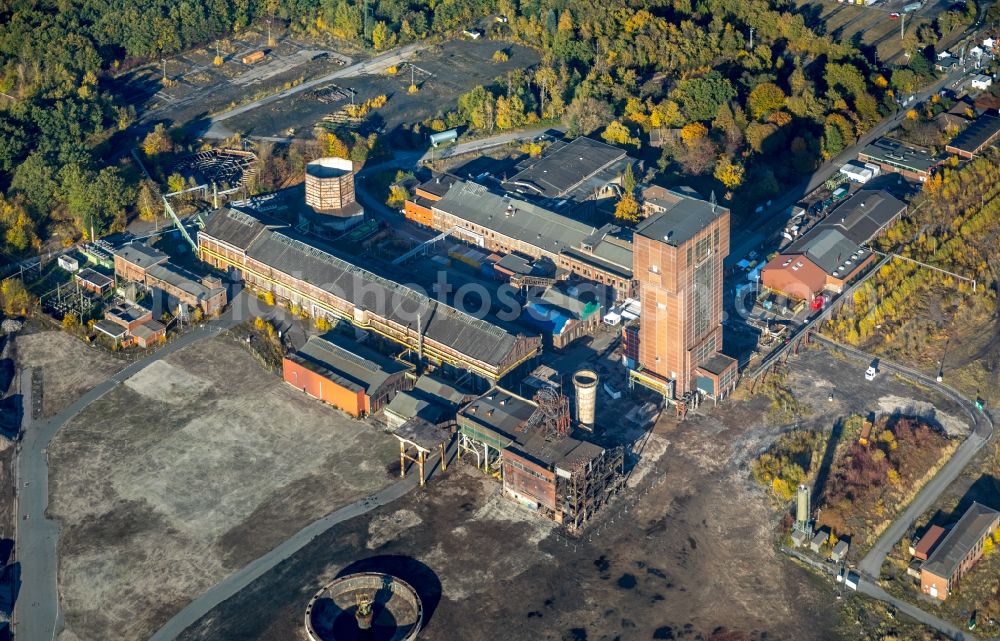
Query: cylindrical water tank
{"points": [[802, 505], [585, 383]]}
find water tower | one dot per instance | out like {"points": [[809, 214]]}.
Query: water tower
{"points": [[330, 194]]}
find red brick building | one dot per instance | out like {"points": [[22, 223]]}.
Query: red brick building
{"points": [[958, 552], [678, 253], [345, 374]]}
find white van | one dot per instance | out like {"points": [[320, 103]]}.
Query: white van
{"points": [[870, 373]]}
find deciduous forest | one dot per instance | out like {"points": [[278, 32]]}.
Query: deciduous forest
{"points": [[755, 117]]}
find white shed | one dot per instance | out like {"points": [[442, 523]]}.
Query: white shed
{"points": [[69, 263]]}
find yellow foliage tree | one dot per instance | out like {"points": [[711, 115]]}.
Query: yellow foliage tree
{"points": [[627, 209], [729, 173], [500, 56], [16, 299], [336, 147], [617, 133], [693, 132]]}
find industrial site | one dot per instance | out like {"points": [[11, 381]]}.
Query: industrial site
{"points": [[400, 336]]}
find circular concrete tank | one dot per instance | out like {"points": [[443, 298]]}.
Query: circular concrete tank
{"points": [[396, 611], [585, 384]]}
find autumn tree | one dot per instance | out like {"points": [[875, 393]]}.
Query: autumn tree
{"points": [[765, 98], [500, 56], [148, 201], [382, 36], [627, 209], [586, 115], [157, 142], [618, 134], [335, 147], [509, 112], [15, 299], [729, 173], [16, 226]]}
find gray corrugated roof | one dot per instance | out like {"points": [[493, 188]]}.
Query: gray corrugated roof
{"points": [[680, 218], [348, 361], [94, 277], [530, 223], [148, 329], [977, 521], [981, 131], [865, 214], [503, 413], [897, 153], [298, 258], [238, 228], [828, 249], [564, 170], [181, 279], [141, 254]]}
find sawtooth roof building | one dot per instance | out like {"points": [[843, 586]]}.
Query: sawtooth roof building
{"points": [[272, 257], [830, 255]]}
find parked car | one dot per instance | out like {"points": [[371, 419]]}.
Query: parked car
{"points": [[870, 373], [894, 16]]}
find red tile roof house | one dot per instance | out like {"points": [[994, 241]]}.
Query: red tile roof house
{"points": [[958, 552]]}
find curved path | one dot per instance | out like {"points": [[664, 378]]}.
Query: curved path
{"points": [[237, 581], [36, 612], [870, 567]]}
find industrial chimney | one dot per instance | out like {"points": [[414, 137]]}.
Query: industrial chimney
{"points": [[585, 383]]}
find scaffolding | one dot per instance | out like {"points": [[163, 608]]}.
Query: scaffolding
{"points": [[590, 486]]}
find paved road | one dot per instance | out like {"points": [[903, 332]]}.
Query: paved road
{"points": [[239, 580], [373, 65], [774, 215], [907, 608], [37, 607], [870, 567]]}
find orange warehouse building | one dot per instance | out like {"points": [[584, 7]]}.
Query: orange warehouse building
{"points": [[345, 374]]}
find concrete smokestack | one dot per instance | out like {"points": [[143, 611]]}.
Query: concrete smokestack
{"points": [[585, 383]]}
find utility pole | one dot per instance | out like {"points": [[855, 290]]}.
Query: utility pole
{"points": [[164, 71], [902, 25], [751, 38]]}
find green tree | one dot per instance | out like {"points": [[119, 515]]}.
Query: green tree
{"points": [[628, 180], [700, 98], [35, 180], [845, 77]]}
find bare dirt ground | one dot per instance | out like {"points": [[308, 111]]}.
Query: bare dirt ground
{"points": [[455, 66], [195, 466], [198, 87], [694, 552], [68, 367]]}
